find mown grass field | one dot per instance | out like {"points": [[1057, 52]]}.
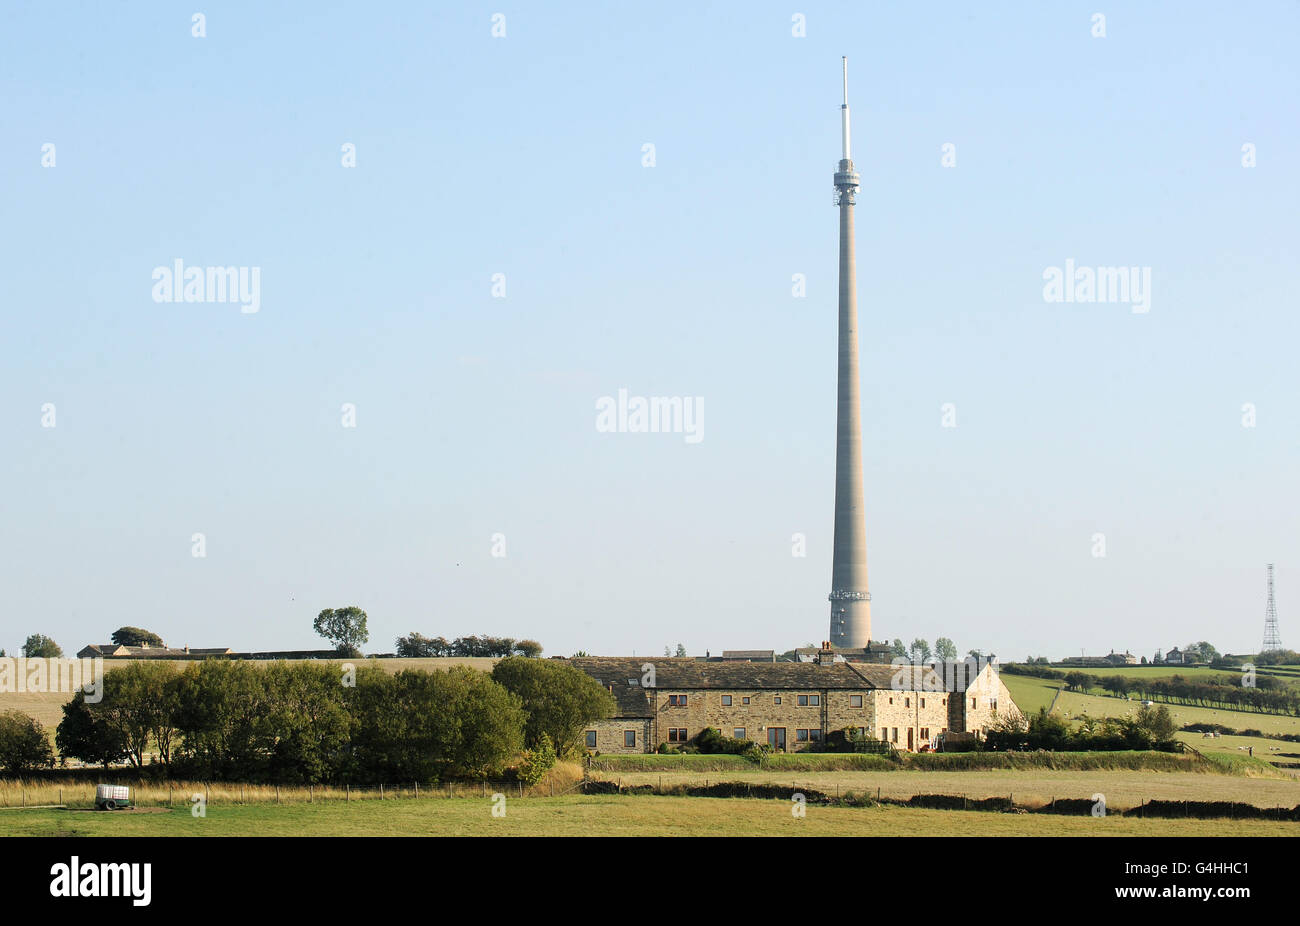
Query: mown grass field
{"points": [[603, 815]]}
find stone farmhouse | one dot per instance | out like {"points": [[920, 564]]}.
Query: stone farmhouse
{"points": [[979, 697], [92, 650], [790, 706]]}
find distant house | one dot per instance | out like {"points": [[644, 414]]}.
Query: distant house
{"points": [[93, 650], [1122, 659], [748, 655], [1183, 657]]}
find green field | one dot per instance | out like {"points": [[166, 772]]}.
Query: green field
{"points": [[1032, 693], [603, 815]]}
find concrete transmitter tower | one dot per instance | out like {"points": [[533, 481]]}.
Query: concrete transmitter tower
{"points": [[850, 600]]}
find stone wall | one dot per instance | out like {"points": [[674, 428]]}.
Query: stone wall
{"points": [[610, 735], [895, 714]]}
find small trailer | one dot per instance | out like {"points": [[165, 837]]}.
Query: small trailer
{"points": [[112, 797]]}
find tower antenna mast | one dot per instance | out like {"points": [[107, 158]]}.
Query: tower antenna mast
{"points": [[850, 599], [844, 109], [1272, 640]]}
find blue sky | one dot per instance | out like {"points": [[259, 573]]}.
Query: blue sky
{"points": [[475, 415]]}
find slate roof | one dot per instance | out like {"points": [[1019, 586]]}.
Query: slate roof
{"points": [[623, 676]]}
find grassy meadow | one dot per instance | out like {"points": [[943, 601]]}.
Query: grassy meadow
{"points": [[602, 815]]}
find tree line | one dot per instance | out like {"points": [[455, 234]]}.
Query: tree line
{"points": [[417, 646], [314, 723]]}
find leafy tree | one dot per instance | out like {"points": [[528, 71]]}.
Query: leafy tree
{"points": [[897, 649], [976, 654], [558, 699], [221, 713], [140, 704], [84, 735], [418, 646], [530, 648], [135, 636], [945, 649], [536, 762], [344, 627], [1116, 685], [307, 723], [919, 650], [1076, 681], [430, 725], [39, 646], [1156, 722], [681, 650], [24, 747], [1208, 652]]}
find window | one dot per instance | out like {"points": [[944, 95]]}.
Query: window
{"points": [[776, 700], [891, 700], [677, 735], [925, 733], [629, 738], [973, 702], [633, 683], [993, 704], [855, 700], [738, 733], [744, 700], [815, 700], [815, 735], [726, 700], [895, 734], [801, 736], [907, 702], [803, 701], [923, 702], [591, 739], [677, 700]]}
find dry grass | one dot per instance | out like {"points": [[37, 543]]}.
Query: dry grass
{"points": [[73, 793]]}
